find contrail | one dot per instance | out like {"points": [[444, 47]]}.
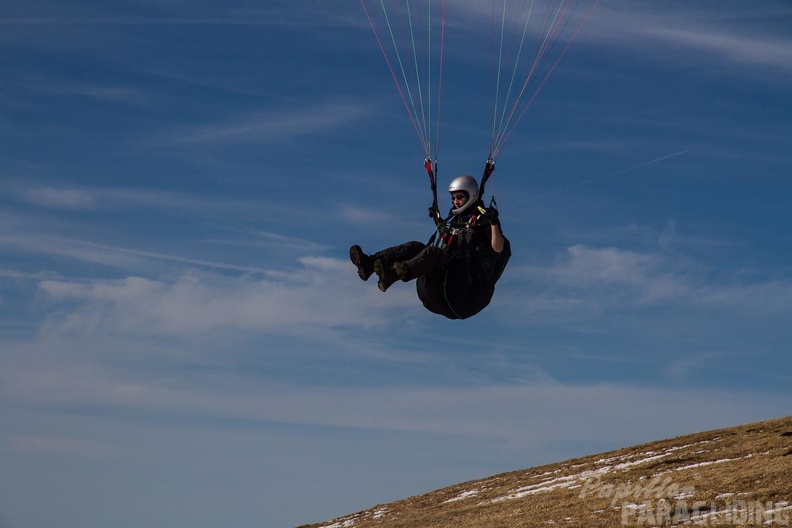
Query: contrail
{"points": [[628, 169], [622, 171]]}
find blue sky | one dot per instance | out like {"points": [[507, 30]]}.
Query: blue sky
{"points": [[184, 342]]}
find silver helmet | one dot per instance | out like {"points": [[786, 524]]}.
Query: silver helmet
{"points": [[469, 186]]}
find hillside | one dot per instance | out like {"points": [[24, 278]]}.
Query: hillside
{"points": [[738, 476]]}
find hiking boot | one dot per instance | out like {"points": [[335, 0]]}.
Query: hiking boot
{"points": [[403, 270], [364, 263], [385, 273]]}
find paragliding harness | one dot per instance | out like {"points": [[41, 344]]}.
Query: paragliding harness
{"points": [[442, 224], [474, 268]]}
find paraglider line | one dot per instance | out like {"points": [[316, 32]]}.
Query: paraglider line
{"points": [[552, 69], [419, 112], [395, 77], [554, 24], [440, 79]]}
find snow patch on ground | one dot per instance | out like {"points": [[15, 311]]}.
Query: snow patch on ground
{"points": [[345, 524], [349, 522], [463, 496], [550, 482], [709, 463], [579, 479]]}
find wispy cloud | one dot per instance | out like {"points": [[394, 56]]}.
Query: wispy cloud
{"points": [[698, 31], [598, 412], [74, 249], [313, 296], [39, 445], [273, 126], [644, 277], [119, 198], [751, 50], [666, 29], [60, 198], [276, 13], [757, 299], [587, 284], [217, 209], [62, 86], [363, 215], [128, 258]]}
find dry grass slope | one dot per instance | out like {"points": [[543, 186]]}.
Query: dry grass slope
{"points": [[741, 476]]}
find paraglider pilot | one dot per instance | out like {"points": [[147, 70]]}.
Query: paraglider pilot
{"points": [[456, 276]]}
